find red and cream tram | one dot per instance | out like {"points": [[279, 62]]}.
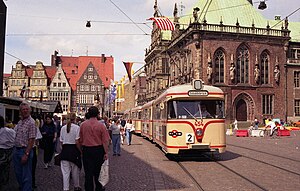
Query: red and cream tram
{"points": [[185, 118]]}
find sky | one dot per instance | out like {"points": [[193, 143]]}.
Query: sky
{"points": [[36, 28]]}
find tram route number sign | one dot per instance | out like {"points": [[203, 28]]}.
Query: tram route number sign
{"points": [[189, 138], [198, 93]]}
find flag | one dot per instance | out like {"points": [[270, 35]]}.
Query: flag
{"points": [[163, 23], [128, 66], [113, 93], [23, 91]]}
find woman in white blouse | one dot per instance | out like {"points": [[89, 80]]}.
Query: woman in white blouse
{"points": [[71, 153], [129, 128]]}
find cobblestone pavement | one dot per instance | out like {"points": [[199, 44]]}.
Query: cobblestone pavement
{"points": [[143, 166]]}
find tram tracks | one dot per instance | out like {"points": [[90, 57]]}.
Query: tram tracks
{"points": [[212, 159], [268, 163], [196, 183], [263, 152]]}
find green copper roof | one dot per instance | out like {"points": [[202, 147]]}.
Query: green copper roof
{"points": [[229, 11], [294, 27]]}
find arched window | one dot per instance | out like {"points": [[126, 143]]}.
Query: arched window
{"points": [[242, 65], [264, 66], [219, 58]]}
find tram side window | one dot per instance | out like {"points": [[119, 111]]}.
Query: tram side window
{"points": [[163, 111], [157, 112], [171, 110]]}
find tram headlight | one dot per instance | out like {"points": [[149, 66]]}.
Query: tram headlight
{"points": [[199, 132]]}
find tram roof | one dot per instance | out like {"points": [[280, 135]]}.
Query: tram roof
{"points": [[184, 89]]}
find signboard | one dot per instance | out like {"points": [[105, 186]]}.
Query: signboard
{"points": [[198, 93], [120, 99]]}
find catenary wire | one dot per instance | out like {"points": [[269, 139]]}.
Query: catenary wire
{"points": [[127, 16]]}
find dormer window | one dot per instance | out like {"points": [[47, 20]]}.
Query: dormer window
{"points": [[90, 69]]}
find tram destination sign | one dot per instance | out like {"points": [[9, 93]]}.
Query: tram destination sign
{"points": [[198, 93]]}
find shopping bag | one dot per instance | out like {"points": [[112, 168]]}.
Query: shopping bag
{"points": [[104, 173]]}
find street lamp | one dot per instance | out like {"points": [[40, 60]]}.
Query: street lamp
{"points": [[88, 24]]}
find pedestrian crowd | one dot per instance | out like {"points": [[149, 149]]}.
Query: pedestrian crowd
{"points": [[73, 142]]}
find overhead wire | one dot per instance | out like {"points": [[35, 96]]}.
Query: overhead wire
{"points": [[128, 17], [16, 57], [73, 34]]}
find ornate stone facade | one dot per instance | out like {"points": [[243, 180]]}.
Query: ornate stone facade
{"points": [[232, 52]]}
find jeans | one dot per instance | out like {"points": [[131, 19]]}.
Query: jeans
{"points": [[116, 143], [23, 171], [128, 136]]}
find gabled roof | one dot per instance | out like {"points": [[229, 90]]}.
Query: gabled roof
{"points": [[50, 71], [75, 66], [29, 72]]}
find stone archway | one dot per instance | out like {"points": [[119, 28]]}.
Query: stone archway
{"points": [[243, 107]]}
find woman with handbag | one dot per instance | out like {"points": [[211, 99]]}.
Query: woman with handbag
{"points": [[70, 155]]}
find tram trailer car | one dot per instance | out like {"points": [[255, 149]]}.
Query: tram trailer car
{"points": [[136, 116], [177, 122], [147, 120]]}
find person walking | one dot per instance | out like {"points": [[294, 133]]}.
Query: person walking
{"points": [[94, 140], [129, 128], [48, 131], [23, 154], [71, 153], [35, 150], [115, 129], [7, 140]]}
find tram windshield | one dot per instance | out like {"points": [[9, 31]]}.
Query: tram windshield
{"points": [[195, 109]]}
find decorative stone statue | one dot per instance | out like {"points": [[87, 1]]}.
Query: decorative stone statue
{"points": [[209, 72], [232, 72], [256, 74], [195, 14], [277, 74]]}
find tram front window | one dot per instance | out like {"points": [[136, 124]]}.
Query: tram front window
{"points": [[195, 109]]}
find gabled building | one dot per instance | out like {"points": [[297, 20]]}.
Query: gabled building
{"points": [[40, 79], [75, 66], [230, 45], [18, 80], [89, 88], [60, 90]]}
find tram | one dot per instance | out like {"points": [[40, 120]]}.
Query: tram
{"points": [[136, 116], [178, 123]]}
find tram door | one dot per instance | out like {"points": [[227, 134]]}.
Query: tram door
{"points": [[241, 110]]}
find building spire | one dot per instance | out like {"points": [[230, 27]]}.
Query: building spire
{"points": [[155, 9]]}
